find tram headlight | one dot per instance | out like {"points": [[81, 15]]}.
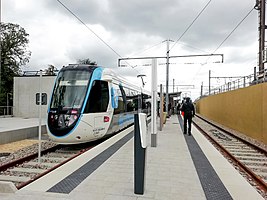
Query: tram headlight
{"points": [[72, 119]]}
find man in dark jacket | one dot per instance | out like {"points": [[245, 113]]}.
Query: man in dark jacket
{"points": [[189, 112]]}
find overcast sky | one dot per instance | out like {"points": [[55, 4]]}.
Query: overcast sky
{"points": [[135, 28]]}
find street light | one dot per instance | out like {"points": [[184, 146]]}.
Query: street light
{"points": [[7, 102], [141, 76]]}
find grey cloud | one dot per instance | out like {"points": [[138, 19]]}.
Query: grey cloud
{"points": [[134, 25], [168, 19]]}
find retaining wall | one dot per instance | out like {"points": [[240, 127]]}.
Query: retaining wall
{"points": [[244, 110]]}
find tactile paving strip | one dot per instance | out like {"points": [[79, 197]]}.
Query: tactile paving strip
{"points": [[211, 183], [73, 180]]}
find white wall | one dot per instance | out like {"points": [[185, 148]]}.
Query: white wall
{"points": [[24, 97]]}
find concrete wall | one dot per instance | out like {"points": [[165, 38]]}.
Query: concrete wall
{"points": [[24, 97], [244, 110], [21, 134]]}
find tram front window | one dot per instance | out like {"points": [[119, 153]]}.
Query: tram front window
{"points": [[70, 89]]}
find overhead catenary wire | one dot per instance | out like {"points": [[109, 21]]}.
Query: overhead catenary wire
{"points": [[203, 9], [113, 50], [89, 28], [146, 49], [226, 38], [192, 47], [219, 46], [233, 30]]}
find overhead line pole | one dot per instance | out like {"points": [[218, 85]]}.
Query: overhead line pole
{"points": [[167, 77], [262, 35], [173, 86], [0, 49], [260, 6], [209, 80]]}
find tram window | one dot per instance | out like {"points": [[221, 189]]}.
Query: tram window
{"points": [[98, 98], [121, 99], [130, 100]]}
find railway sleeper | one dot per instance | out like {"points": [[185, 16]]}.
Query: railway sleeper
{"points": [[237, 147], [65, 154], [243, 151], [17, 179], [27, 170], [259, 168], [240, 154], [234, 144], [255, 162], [41, 165], [52, 159], [263, 174], [67, 151], [252, 157]]}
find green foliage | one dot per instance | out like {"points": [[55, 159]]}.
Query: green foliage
{"points": [[14, 54], [86, 61], [51, 70]]}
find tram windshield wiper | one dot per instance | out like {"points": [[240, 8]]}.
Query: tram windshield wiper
{"points": [[72, 106]]}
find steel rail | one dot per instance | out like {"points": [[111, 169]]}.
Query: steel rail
{"points": [[256, 178], [35, 155], [27, 158], [53, 149], [235, 136], [53, 168]]}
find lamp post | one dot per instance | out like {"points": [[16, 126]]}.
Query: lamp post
{"points": [[7, 102], [141, 76], [40, 119]]}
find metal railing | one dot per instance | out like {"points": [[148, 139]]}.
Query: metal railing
{"points": [[252, 79], [6, 111]]}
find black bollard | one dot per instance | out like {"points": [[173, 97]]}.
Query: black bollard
{"points": [[140, 132]]}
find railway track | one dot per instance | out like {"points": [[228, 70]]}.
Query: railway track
{"points": [[25, 170], [249, 157]]}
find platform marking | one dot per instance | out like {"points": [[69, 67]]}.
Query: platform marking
{"points": [[210, 181], [73, 180]]}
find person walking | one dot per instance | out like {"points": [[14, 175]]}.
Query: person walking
{"points": [[189, 112], [178, 108]]}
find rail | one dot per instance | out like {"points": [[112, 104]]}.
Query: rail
{"points": [[241, 144], [252, 79]]}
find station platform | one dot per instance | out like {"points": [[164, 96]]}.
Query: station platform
{"points": [[15, 128], [180, 167]]}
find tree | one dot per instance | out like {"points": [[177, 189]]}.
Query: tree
{"points": [[86, 61], [14, 54], [51, 70]]}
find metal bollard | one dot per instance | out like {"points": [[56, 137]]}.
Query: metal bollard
{"points": [[140, 131]]}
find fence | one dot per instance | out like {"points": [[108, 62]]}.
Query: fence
{"points": [[6, 111], [252, 79]]}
